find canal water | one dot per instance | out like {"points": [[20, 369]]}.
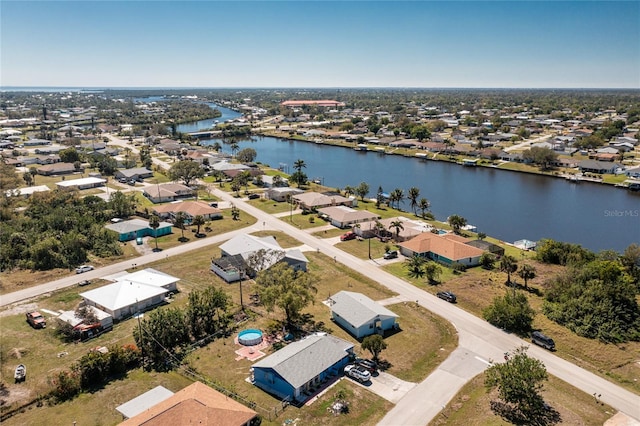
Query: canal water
{"points": [[507, 205], [227, 114]]}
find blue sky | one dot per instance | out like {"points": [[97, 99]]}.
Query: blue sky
{"points": [[536, 44]]}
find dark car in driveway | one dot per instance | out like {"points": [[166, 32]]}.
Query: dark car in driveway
{"points": [[367, 364], [447, 295], [393, 254]]}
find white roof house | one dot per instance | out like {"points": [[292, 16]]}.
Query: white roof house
{"points": [[124, 298], [25, 192], [143, 402], [84, 183], [360, 315], [151, 277]]}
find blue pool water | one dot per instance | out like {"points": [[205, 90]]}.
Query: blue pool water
{"points": [[250, 337]]}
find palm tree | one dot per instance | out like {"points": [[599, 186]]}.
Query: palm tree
{"points": [[179, 220], [234, 148], [432, 270], [413, 195], [527, 272], [154, 223], [415, 266], [456, 222], [397, 225], [508, 264], [398, 196], [348, 190], [299, 165], [198, 221], [423, 205]]}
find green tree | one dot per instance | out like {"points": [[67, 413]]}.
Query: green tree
{"points": [[510, 312], [162, 335], [206, 312], [283, 287], [543, 157], [349, 190], [179, 221], [487, 260], [186, 171], [508, 264], [374, 344], [482, 236], [424, 206], [397, 196], [299, 178], [247, 155], [69, 155], [432, 271], [519, 381], [457, 222], [198, 221], [397, 226], [235, 213], [299, 164], [595, 300], [415, 266], [412, 196], [154, 223], [527, 272], [122, 205], [28, 178], [362, 190], [8, 177], [420, 132]]}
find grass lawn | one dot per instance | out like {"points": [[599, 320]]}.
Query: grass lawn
{"points": [[270, 206], [470, 407], [328, 233], [476, 288], [303, 221]]}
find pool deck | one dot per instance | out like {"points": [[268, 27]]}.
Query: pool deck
{"points": [[254, 352]]}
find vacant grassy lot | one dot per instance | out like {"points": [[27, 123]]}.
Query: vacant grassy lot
{"points": [[476, 288], [270, 206], [470, 407]]}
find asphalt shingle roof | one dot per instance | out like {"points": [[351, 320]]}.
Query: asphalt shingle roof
{"points": [[358, 309]]}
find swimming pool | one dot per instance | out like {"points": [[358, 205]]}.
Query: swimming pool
{"points": [[250, 337]]}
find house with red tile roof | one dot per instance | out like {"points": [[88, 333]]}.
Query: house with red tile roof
{"points": [[197, 404], [447, 249]]}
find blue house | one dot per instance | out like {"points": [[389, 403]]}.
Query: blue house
{"points": [[131, 229], [295, 370], [360, 315]]}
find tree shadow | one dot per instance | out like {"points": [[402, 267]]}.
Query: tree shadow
{"points": [[545, 415]]}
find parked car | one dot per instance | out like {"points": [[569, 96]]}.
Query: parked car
{"points": [[36, 320], [348, 236], [139, 241], [357, 372], [367, 364], [543, 340], [214, 204], [83, 268], [391, 254], [84, 283], [447, 295], [254, 196], [131, 182]]}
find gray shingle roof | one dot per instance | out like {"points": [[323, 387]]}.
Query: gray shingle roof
{"points": [[358, 309], [301, 361]]}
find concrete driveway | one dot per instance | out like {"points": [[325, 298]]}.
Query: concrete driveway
{"points": [[387, 386]]}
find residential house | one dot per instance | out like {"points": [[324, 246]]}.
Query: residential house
{"points": [[167, 192], [131, 229], [344, 217], [56, 169], [152, 277], [294, 371], [84, 183], [136, 173], [82, 329], [316, 200], [359, 315], [191, 209], [247, 254], [447, 249], [593, 166], [633, 172], [197, 404], [123, 299], [282, 194], [383, 228], [27, 191]]}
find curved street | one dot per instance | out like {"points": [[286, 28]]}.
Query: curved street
{"points": [[479, 342]]}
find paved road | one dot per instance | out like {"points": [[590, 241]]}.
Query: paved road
{"points": [[527, 143], [479, 342]]}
